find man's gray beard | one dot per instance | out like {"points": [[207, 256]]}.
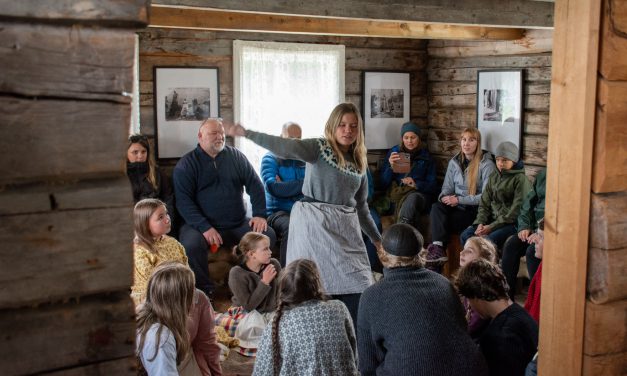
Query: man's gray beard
{"points": [[220, 148]]}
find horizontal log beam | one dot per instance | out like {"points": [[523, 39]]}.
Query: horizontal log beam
{"points": [[610, 138], [608, 223], [534, 42], [64, 62], [82, 139], [607, 275], [66, 335], [605, 330], [127, 13], [64, 254], [213, 19], [612, 62], [514, 13]]}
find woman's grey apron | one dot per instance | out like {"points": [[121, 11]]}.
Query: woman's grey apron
{"points": [[330, 235]]}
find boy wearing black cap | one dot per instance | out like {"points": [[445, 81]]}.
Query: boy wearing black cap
{"points": [[501, 199], [412, 322]]}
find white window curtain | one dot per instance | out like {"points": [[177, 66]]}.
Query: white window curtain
{"points": [[275, 83]]}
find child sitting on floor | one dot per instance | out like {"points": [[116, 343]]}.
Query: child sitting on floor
{"points": [[476, 248], [254, 286], [511, 338], [163, 342], [151, 245]]}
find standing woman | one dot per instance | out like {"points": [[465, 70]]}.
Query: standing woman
{"points": [[147, 180], [417, 187], [326, 224], [466, 176]]}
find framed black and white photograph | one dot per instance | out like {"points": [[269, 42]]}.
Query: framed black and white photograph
{"points": [[183, 98], [499, 107], [385, 107]]}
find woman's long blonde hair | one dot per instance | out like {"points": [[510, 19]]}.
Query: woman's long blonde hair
{"points": [[141, 220], [472, 172], [358, 149], [169, 297]]}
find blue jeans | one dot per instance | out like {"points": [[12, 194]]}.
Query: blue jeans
{"points": [[196, 249], [498, 236]]}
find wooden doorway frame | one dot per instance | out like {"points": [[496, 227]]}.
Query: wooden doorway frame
{"points": [[569, 179]]}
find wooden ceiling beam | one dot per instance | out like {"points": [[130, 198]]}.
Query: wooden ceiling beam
{"points": [[503, 13], [214, 19]]}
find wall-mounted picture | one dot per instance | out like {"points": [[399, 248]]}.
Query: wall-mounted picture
{"points": [[183, 98], [386, 106], [499, 107]]}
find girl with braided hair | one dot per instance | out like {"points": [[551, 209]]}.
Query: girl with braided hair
{"points": [[309, 334]]}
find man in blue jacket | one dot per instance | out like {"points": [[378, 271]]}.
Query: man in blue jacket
{"points": [[283, 180], [209, 183]]}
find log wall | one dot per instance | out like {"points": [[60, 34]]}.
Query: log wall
{"points": [[65, 204], [605, 347], [173, 47], [452, 91]]}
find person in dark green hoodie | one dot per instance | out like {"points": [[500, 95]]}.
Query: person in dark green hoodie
{"points": [[502, 198], [520, 245]]}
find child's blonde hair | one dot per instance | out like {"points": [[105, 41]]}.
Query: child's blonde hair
{"points": [[487, 249], [248, 243], [169, 297], [141, 219]]}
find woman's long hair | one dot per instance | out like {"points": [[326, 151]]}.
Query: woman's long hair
{"points": [[299, 283], [358, 149], [169, 297], [150, 159], [141, 221], [472, 172]]}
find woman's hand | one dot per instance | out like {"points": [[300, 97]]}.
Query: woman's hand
{"points": [[268, 274], [394, 157], [451, 200], [408, 181], [232, 129]]}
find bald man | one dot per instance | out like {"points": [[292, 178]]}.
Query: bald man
{"points": [[209, 183], [283, 180]]}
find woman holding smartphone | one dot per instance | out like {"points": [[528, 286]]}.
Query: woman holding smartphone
{"points": [[409, 177]]}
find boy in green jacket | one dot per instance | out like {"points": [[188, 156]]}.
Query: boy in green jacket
{"points": [[520, 245], [501, 199]]}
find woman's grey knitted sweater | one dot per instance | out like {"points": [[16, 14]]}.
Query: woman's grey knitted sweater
{"points": [[324, 180]]}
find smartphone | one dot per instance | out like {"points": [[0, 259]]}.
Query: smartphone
{"points": [[402, 166]]}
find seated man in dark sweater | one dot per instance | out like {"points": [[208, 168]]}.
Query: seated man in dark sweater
{"points": [[511, 339], [412, 321], [209, 183]]}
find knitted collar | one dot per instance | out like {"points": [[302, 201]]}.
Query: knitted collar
{"points": [[326, 153]]}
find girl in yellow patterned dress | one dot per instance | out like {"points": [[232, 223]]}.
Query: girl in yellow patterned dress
{"points": [[151, 244]]}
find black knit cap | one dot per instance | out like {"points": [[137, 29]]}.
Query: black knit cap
{"points": [[402, 240]]}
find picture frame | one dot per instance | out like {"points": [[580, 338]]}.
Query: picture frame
{"points": [[500, 107], [195, 93], [385, 107]]}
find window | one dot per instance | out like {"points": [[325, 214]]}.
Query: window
{"points": [[275, 83]]}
